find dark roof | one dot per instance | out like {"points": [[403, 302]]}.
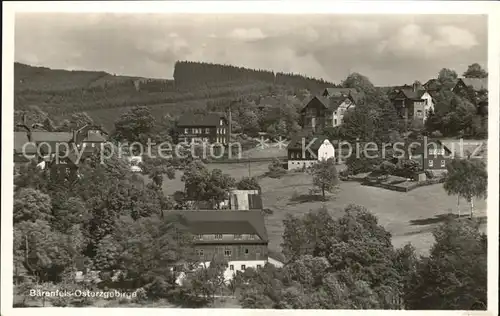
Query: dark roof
{"points": [[51, 136], [343, 92], [331, 103], [211, 119], [418, 148], [476, 83], [225, 222], [94, 138], [297, 141]]}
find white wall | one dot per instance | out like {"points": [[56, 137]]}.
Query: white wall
{"points": [[299, 164], [326, 150], [229, 274], [430, 104]]}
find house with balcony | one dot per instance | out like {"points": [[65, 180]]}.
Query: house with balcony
{"points": [[328, 109], [202, 128]]}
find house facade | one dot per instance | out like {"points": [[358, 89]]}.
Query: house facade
{"points": [[328, 109], [60, 151], [430, 154], [238, 237], [303, 152], [412, 103], [202, 128]]}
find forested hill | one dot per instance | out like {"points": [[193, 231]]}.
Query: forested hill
{"points": [[104, 96], [187, 73]]}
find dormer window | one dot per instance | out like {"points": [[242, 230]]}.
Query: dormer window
{"points": [[218, 236]]}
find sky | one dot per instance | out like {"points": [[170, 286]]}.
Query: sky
{"points": [[388, 49]]}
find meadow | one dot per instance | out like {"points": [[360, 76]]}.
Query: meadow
{"points": [[409, 217]]}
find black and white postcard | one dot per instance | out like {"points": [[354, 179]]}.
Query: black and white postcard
{"points": [[234, 157]]}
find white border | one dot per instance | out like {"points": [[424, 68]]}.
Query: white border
{"points": [[274, 7]]}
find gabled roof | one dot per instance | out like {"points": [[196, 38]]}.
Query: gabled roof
{"points": [[476, 83], [51, 136], [211, 119], [418, 148], [342, 93], [225, 222]]}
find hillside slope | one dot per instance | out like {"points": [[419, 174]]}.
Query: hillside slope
{"points": [[197, 86]]}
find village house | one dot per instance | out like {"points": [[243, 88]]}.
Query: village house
{"points": [[328, 110], [412, 102], [303, 152], [238, 237], [202, 128], [44, 147], [431, 154], [476, 91]]}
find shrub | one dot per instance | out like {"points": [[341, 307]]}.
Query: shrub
{"points": [[276, 169], [387, 167], [436, 134]]}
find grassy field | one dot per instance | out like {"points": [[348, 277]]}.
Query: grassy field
{"points": [[410, 217]]}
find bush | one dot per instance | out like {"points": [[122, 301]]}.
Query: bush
{"points": [[387, 167], [276, 169], [436, 134], [362, 164]]}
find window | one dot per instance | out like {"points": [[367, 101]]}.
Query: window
{"points": [[246, 251], [223, 131], [335, 122], [207, 130], [252, 236], [186, 131], [243, 267], [443, 163], [431, 163], [199, 252], [228, 252], [237, 236], [259, 266], [231, 267], [218, 236], [221, 122], [419, 113]]}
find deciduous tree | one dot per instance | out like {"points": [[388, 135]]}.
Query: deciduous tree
{"points": [[467, 178], [325, 176]]}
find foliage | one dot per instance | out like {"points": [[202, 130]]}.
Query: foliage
{"points": [[362, 164], [454, 276], [325, 176], [468, 179], [206, 281], [475, 71], [248, 183], [204, 185], [346, 263], [276, 169], [31, 205], [447, 78], [134, 125]]}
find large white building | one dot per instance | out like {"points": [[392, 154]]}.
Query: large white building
{"points": [[238, 237]]}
